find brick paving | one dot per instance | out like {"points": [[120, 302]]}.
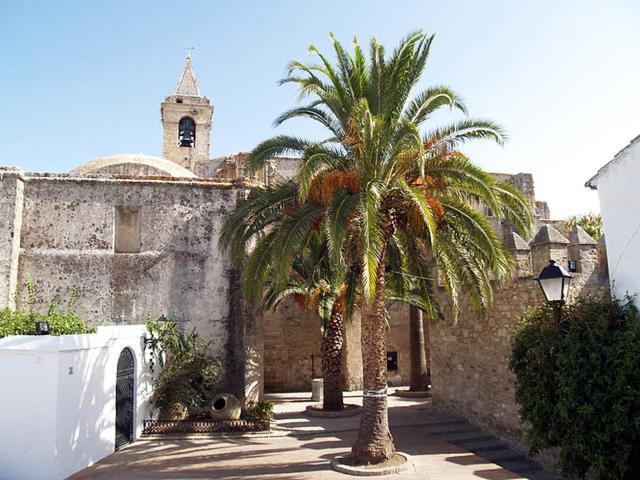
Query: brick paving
{"points": [[442, 447]]}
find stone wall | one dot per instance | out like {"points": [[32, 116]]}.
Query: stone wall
{"points": [[292, 335], [67, 243], [469, 358], [11, 204]]}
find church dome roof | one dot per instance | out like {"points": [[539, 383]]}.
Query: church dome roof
{"points": [[134, 164]]}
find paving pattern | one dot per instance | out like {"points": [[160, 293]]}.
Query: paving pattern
{"points": [[300, 447]]}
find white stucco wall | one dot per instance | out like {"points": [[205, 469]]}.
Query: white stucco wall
{"points": [[57, 410], [618, 185]]}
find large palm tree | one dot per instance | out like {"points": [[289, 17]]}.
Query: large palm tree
{"points": [[382, 185]]}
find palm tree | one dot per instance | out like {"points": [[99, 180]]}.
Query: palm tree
{"points": [[419, 378], [382, 187], [319, 287], [270, 217]]}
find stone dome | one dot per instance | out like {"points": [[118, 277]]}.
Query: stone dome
{"points": [[136, 165]]}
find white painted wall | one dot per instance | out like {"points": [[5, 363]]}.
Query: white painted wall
{"points": [[57, 406], [618, 185]]}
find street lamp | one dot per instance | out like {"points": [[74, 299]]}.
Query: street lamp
{"points": [[554, 281]]}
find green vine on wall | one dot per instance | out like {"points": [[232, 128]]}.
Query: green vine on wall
{"points": [[23, 321]]}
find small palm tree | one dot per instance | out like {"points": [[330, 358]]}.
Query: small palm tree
{"points": [[382, 188], [318, 287], [272, 217]]}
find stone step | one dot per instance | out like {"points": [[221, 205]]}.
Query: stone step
{"points": [[466, 439], [454, 431], [521, 467], [506, 455], [453, 423], [489, 447], [472, 438]]}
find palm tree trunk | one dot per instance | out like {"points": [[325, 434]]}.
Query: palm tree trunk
{"points": [[331, 349], [374, 443], [419, 381]]}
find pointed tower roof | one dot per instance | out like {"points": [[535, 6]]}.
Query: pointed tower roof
{"points": [[579, 236], [516, 242], [188, 83], [548, 234]]}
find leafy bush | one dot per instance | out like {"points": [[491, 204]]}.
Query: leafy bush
{"points": [[578, 385], [19, 322], [190, 372], [259, 412]]}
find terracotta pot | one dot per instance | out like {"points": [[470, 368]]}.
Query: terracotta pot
{"points": [[225, 407]]}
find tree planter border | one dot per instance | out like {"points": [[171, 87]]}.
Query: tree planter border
{"points": [[153, 427], [370, 470], [409, 394], [349, 411]]}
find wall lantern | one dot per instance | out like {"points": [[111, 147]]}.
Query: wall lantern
{"points": [[42, 328], [147, 340], [554, 281]]}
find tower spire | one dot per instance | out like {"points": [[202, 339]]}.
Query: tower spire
{"points": [[188, 83]]}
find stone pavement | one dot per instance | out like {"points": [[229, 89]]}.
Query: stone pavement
{"points": [[300, 448]]}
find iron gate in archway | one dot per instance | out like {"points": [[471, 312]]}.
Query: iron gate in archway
{"points": [[124, 398]]}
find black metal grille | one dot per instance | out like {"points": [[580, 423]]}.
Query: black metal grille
{"points": [[124, 399], [201, 426]]}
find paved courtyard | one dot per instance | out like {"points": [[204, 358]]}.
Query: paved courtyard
{"points": [[301, 447]]}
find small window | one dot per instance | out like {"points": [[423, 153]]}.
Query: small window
{"points": [[392, 361], [187, 132], [127, 229]]}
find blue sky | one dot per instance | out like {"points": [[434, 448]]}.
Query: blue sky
{"points": [[79, 80]]}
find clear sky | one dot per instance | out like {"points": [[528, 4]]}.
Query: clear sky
{"points": [[83, 79]]}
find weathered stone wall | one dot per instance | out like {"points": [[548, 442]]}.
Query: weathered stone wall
{"points": [[67, 243], [469, 359], [292, 335], [11, 204]]}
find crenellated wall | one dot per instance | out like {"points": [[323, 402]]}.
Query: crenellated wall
{"points": [[469, 359]]}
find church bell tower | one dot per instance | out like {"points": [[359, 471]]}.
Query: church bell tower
{"points": [[186, 121]]}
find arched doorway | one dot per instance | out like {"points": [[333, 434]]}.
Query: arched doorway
{"points": [[125, 399]]}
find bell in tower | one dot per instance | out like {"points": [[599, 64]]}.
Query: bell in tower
{"points": [[186, 132], [186, 121]]}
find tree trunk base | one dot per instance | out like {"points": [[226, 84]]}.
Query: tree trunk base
{"points": [[332, 398], [374, 443]]}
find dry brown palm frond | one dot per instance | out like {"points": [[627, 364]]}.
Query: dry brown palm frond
{"points": [[325, 185]]}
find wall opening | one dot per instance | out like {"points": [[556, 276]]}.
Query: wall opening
{"points": [[127, 229], [187, 132], [125, 398]]}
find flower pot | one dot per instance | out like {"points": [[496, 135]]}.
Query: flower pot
{"points": [[225, 407]]}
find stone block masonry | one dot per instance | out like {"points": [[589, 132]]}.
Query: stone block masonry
{"points": [[62, 233], [469, 358], [11, 206]]}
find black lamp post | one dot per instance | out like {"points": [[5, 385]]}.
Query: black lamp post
{"points": [[554, 281]]}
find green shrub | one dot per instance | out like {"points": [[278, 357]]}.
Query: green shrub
{"points": [[578, 385], [190, 372], [19, 322], [259, 412]]}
